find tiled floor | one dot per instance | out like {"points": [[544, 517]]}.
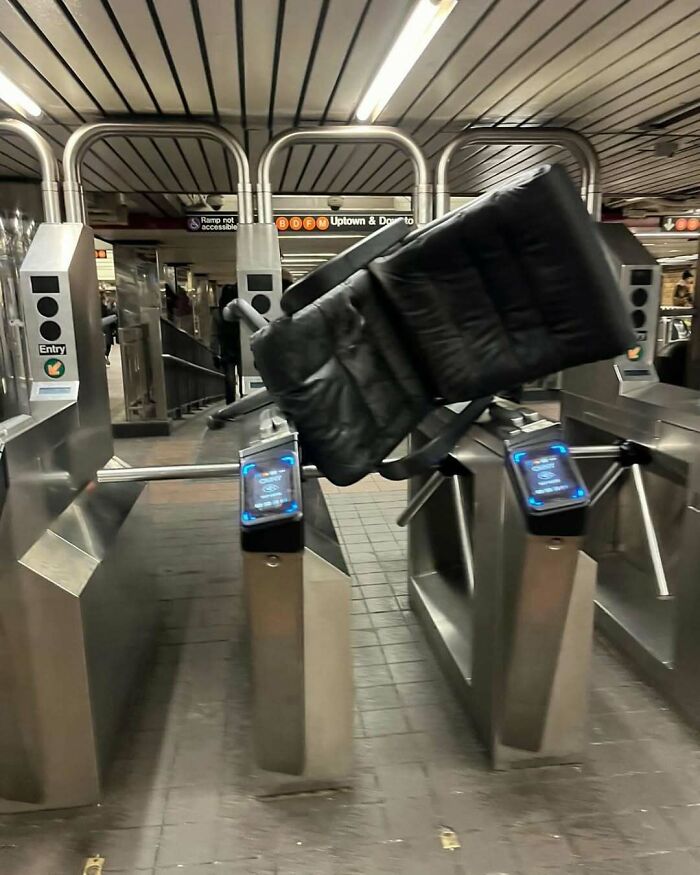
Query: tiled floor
{"points": [[181, 796]]}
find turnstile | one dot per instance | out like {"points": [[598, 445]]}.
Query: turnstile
{"points": [[502, 589], [297, 593], [645, 534], [77, 610], [299, 615]]}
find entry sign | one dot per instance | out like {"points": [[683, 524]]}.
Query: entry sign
{"points": [[337, 223], [54, 368], [207, 223]]}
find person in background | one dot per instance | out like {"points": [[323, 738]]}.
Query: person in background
{"points": [[683, 293], [226, 341], [170, 300], [184, 317], [287, 279], [108, 330]]}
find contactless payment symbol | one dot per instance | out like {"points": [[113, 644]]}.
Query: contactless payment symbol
{"points": [[54, 368]]}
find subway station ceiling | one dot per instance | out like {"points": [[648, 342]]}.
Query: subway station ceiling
{"points": [[626, 73]]}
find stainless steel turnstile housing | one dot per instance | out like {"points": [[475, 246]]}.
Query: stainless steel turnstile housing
{"points": [[645, 533], [508, 614], [76, 608]]}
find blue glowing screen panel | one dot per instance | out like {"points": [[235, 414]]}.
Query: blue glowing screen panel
{"points": [[548, 478], [271, 488]]}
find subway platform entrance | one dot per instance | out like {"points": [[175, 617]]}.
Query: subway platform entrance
{"points": [[183, 797]]}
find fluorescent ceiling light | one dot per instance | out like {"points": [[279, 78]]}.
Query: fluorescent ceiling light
{"points": [[674, 116], [668, 235], [13, 96], [678, 259], [427, 18]]}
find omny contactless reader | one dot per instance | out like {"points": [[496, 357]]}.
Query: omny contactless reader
{"points": [[271, 495]]}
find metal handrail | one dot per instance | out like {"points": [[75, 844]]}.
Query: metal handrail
{"points": [[240, 310], [579, 146], [84, 137], [184, 472], [168, 472], [185, 364], [341, 134], [47, 161]]}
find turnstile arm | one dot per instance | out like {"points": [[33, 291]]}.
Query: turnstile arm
{"points": [[465, 541], [650, 532], [185, 472], [601, 451], [424, 494], [609, 478]]}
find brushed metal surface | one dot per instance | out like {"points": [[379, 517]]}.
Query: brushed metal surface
{"points": [[421, 202], [659, 637], [517, 649], [299, 619], [274, 591], [84, 137], [540, 607], [581, 149], [75, 621]]}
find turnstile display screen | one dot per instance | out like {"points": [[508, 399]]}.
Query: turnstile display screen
{"points": [[548, 477], [270, 487]]}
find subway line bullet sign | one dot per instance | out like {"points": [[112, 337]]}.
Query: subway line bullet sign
{"points": [[54, 368], [350, 223]]}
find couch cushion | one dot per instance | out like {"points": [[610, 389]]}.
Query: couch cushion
{"points": [[339, 372], [510, 288]]}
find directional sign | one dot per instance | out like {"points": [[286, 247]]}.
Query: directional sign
{"points": [[300, 223], [337, 223], [54, 368], [681, 223]]}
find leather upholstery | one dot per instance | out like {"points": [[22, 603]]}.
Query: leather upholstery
{"points": [[339, 371], [511, 288]]}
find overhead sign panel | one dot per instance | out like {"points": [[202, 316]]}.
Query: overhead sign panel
{"points": [[211, 223], [337, 223], [681, 223], [301, 224]]}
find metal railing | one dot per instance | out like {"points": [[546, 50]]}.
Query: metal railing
{"points": [[47, 161], [81, 140], [191, 377], [422, 207], [580, 148]]}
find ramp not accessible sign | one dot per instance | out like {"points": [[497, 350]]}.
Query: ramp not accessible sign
{"points": [[212, 222]]}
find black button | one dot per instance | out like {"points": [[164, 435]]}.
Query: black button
{"points": [[261, 303], [50, 330], [640, 297], [639, 317], [47, 306]]}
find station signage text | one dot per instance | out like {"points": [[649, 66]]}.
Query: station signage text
{"points": [[337, 223], [299, 224], [209, 223]]}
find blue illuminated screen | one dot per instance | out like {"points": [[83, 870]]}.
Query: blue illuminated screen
{"points": [[548, 475], [269, 488]]}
